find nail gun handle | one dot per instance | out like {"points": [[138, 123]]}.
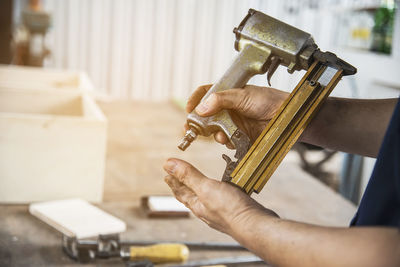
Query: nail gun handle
{"points": [[249, 62], [160, 253]]}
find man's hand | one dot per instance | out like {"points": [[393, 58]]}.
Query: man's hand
{"points": [[279, 242], [250, 108], [219, 204], [350, 125]]}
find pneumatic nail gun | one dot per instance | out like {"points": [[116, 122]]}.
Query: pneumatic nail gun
{"points": [[263, 44]]}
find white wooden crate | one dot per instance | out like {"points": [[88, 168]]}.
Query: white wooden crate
{"points": [[52, 145], [35, 77]]}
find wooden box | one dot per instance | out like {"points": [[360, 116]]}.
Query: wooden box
{"points": [[52, 145], [35, 77]]}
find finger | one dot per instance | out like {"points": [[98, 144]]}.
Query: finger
{"points": [[204, 220], [228, 99], [186, 196], [220, 137], [197, 95], [181, 192], [188, 175], [229, 145]]}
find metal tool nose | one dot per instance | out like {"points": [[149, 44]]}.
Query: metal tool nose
{"points": [[184, 144], [189, 137]]}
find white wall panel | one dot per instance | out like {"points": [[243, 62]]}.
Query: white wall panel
{"points": [[158, 49]]}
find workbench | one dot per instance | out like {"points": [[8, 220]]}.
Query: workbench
{"points": [[141, 136]]}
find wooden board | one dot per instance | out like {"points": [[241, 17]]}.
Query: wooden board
{"points": [[163, 206], [77, 218], [39, 78], [52, 145]]}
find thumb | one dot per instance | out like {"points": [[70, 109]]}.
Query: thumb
{"points": [[186, 174], [228, 99]]}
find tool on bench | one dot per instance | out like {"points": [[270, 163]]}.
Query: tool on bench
{"points": [[107, 246], [264, 43], [78, 220], [145, 263], [217, 262], [239, 260]]}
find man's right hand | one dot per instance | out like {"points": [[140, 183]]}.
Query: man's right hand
{"points": [[355, 126], [250, 108]]}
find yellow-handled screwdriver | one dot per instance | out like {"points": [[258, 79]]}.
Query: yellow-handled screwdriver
{"points": [[160, 253], [107, 246]]}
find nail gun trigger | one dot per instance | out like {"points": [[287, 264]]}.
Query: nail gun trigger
{"points": [[230, 166], [275, 61], [242, 144]]}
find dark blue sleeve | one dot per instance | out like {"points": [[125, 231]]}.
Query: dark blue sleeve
{"points": [[380, 204]]}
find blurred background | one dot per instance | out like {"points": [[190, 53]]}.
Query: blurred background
{"points": [[158, 50]]}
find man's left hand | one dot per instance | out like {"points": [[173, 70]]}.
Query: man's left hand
{"points": [[219, 204]]}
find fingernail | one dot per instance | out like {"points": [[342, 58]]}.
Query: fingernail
{"points": [[170, 166], [202, 108], [167, 179]]}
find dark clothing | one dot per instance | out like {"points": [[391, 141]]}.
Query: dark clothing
{"points": [[380, 204]]}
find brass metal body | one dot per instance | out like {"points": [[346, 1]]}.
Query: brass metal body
{"points": [[281, 133], [264, 43]]}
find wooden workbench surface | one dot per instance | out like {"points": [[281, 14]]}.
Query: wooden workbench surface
{"points": [[140, 137]]}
